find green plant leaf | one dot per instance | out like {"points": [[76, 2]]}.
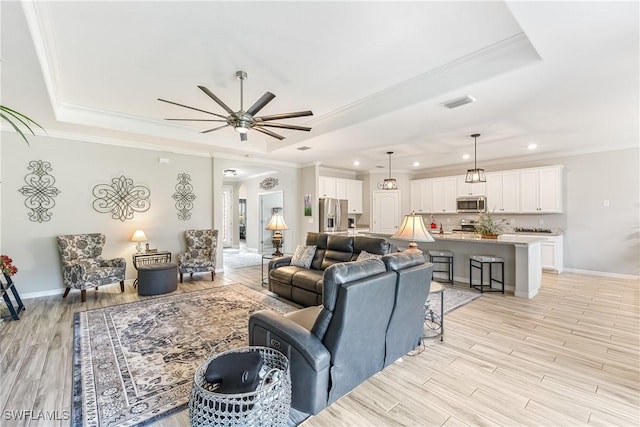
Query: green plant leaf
{"points": [[11, 116]]}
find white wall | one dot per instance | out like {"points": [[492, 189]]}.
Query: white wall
{"points": [[77, 168]]}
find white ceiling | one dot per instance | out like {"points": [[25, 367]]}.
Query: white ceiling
{"points": [[562, 75]]}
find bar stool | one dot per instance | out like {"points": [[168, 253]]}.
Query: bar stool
{"points": [[479, 261], [445, 258]]}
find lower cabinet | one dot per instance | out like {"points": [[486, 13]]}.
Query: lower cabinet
{"points": [[552, 254]]}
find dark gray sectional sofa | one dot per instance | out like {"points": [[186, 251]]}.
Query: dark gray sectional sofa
{"points": [[304, 286], [372, 313]]}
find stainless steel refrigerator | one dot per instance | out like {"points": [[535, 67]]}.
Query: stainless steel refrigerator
{"points": [[333, 215]]}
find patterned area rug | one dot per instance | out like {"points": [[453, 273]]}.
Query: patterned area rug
{"points": [[235, 259], [453, 298], [134, 363]]}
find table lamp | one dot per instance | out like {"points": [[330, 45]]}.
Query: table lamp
{"points": [[139, 237], [277, 224], [414, 230]]}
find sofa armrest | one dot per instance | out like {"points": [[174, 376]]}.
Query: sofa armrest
{"points": [[309, 346], [309, 359], [279, 262]]}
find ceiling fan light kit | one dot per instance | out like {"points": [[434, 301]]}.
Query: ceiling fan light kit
{"points": [[242, 121], [475, 175]]}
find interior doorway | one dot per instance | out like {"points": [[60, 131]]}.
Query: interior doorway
{"points": [[242, 220], [227, 216], [269, 203]]}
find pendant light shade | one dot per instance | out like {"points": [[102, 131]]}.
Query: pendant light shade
{"points": [[389, 183], [475, 175]]}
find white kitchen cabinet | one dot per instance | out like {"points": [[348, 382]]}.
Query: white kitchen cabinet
{"points": [[466, 189], [541, 190], [444, 195], [422, 196], [552, 254], [502, 192], [354, 195], [326, 187], [341, 188]]}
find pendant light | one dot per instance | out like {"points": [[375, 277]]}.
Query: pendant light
{"points": [[389, 183], [475, 175]]}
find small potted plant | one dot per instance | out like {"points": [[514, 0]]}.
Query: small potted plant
{"points": [[488, 227]]}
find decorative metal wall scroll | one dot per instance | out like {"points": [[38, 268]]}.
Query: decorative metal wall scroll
{"points": [[268, 183], [121, 198], [39, 191], [184, 196]]}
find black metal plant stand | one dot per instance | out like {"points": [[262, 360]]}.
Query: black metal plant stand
{"points": [[4, 288]]}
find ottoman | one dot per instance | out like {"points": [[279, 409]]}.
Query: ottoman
{"points": [[156, 279]]}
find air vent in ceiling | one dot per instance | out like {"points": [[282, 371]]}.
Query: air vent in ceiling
{"points": [[458, 102], [304, 148], [380, 166]]}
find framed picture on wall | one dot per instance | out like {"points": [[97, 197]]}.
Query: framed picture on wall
{"points": [[307, 205]]}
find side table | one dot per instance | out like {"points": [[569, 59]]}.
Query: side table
{"points": [[145, 258], [433, 320], [266, 257]]}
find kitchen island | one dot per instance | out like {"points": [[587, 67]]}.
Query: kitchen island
{"points": [[521, 253]]}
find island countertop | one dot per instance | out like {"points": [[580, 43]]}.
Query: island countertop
{"points": [[503, 239]]}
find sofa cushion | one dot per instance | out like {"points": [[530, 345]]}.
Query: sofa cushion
{"points": [[320, 240], [308, 279], [303, 256], [285, 274], [373, 245]]}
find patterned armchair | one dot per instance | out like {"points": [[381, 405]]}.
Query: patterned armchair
{"points": [[200, 257], [82, 265]]}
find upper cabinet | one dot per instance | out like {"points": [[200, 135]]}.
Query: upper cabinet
{"points": [[541, 190], [444, 195], [467, 189], [502, 192], [340, 188], [534, 190]]}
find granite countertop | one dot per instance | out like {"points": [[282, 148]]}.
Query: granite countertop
{"points": [[509, 239]]}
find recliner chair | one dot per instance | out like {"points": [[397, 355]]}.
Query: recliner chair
{"points": [[334, 347], [82, 265]]}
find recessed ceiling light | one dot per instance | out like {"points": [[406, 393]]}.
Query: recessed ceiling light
{"points": [[229, 172], [465, 156], [532, 146], [416, 164], [356, 163]]}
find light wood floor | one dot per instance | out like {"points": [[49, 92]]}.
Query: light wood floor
{"points": [[569, 356]]}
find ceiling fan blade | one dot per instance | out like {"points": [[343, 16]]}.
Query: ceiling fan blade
{"points": [[283, 126], [268, 132], [211, 130], [243, 137], [198, 120], [284, 116], [191, 108], [218, 100], [260, 103]]}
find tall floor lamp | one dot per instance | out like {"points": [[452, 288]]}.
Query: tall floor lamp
{"points": [[414, 230], [277, 224]]}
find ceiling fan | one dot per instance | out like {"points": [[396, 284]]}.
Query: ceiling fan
{"points": [[242, 121]]}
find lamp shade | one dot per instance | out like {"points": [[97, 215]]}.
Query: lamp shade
{"points": [[139, 236], [277, 223], [414, 230]]}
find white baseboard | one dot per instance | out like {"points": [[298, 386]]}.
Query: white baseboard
{"points": [[602, 273], [31, 295]]}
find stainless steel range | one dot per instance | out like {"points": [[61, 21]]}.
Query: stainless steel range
{"points": [[466, 226]]}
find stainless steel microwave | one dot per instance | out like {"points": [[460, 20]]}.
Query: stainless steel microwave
{"points": [[471, 204]]}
